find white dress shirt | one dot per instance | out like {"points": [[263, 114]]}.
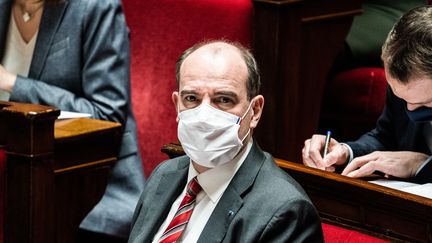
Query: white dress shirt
{"points": [[213, 182], [18, 54]]}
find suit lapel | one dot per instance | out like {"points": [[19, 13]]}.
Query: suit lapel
{"points": [[232, 199], [50, 22], [5, 12], [220, 219], [169, 187]]}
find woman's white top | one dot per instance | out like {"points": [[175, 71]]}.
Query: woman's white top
{"points": [[18, 54]]}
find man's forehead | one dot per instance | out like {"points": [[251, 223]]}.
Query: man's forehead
{"points": [[212, 67], [416, 90], [217, 48], [217, 53]]}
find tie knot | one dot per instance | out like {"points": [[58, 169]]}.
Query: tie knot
{"points": [[194, 187]]}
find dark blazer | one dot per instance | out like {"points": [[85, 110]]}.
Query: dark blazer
{"points": [[395, 131], [261, 204], [81, 63]]}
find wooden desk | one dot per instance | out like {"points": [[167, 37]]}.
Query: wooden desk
{"points": [[295, 43], [370, 208], [356, 204], [56, 170]]}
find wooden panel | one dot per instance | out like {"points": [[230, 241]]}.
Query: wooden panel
{"points": [[56, 171], [28, 138], [85, 151], [295, 43], [374, 209]]}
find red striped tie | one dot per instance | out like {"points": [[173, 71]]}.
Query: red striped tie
{"points": [[181, 218]]}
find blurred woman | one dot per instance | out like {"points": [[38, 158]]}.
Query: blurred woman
{"points": [[74, 55]]}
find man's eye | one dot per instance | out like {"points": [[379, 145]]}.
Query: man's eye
{"points": [[224, 100], [190, 98]]}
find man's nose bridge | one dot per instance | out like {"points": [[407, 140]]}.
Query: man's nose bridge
{"points": [[206, 100], [202, 114]]}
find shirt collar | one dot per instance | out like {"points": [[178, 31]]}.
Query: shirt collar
{"points": [[215, 180]]}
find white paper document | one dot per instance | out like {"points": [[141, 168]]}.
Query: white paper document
{"points": [[70, 115], [424, 190]]}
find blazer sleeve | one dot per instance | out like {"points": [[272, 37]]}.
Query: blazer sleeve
{"points": [[295, 221], [105, 73], [425, 173]]}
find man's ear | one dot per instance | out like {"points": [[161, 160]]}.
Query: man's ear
{"points": [[257, 108], [175, 100]]}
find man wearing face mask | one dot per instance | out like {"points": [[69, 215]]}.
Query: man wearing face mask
{"points": [[401, 144], [226, 189]]}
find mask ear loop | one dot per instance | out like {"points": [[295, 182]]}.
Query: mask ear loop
{"points": [[241, 119], [247, 134], [178, 111]]}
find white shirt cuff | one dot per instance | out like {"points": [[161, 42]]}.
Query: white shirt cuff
{"points": [[429, 159], [351, 153]]}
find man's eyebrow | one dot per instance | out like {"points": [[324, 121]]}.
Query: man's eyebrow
{"points": [[187, 92], [227, 93]]}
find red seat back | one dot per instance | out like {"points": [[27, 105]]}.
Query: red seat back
{"points": [[354, 97], [360, 90]]}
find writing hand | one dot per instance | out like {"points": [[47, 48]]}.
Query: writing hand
{"points": [[311, 153], [402, 164]]}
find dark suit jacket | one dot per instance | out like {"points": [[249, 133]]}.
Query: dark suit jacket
{"points": [[267, 205], [81, 63], [395, 131]]}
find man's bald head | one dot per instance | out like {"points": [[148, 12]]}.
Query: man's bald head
{"points": [[221, 49]]}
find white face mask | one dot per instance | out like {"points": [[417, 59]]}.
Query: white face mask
{"points": [[209, 136]]}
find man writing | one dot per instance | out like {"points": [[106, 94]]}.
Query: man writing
{"points": [[226, 189], [401, 144]]}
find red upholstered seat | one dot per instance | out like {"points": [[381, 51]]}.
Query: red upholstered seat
{"points": [[367, 85], [160, 31], [353, 101], [2, 190], [335, 234]]}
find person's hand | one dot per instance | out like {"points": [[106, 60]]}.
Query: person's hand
{"points": [[311, 153], [398, 164], [7, 79]]}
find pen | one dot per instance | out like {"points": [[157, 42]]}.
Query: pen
{"points": [[327, 143]]}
